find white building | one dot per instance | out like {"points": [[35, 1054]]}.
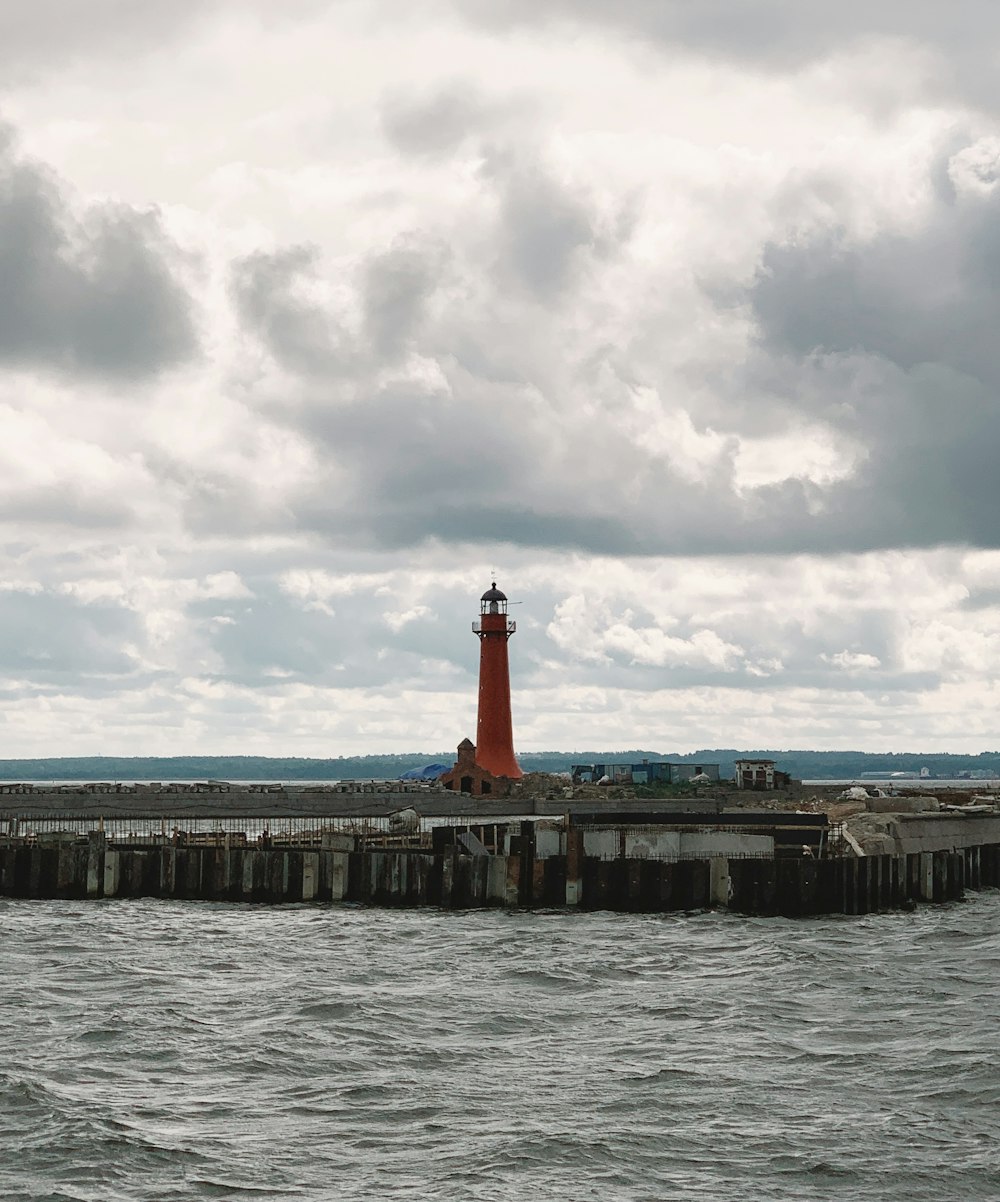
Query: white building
{"points": [[755, 774]]}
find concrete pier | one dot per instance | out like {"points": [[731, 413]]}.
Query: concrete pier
{"points": [[520, 863], [351, 799]]}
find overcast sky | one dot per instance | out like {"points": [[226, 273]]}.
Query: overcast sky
{"points": [[681, 316]]}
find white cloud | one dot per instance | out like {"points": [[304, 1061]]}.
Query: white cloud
{"points": [[396, 621], [853, 661]]}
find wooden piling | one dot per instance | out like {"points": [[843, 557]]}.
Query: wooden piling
{"points": [[526, 848], [96, 844], [310, 875], [112, 872], [788, 888], [719, 881], [574, 866], [496, 881], [7, 860], [66, 872], [666, 894]]}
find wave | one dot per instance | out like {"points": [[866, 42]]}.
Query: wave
{"points": [[159, 1050]]}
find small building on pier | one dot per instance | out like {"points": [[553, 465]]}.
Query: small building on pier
{"points": [[760, 775], [647, 773], [468, 776]]}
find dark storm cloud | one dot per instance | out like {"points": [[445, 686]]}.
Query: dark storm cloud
{"points": [[543, 224], [396, 287], [892, 341], [771, 33], [503, 519], [266, 288], [543, 227], [928, 297], [64, 31], [416, 462], [94, 294], [479, 452], [274, 297], [781, 34], [982, 598], [54, 29], [485, 465], [396, 519], [460, 409], [438, 122]]}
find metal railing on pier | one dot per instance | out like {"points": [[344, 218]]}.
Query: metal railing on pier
{"points": [[230, 830]]}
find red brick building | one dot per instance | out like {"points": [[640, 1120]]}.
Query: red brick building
{"points": [[466, 776]]}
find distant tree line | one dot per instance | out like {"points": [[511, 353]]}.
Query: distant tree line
{"points": [[803, 765]]}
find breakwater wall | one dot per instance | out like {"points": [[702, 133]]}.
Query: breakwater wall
{"points": [[459, 871], [357, 799]]}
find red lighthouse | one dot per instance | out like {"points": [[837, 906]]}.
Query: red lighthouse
{"points": [[494, 733]]}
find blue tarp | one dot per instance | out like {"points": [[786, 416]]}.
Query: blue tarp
{"points": [[430, 772]]}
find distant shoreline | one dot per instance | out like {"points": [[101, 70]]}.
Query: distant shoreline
{"points": [[925, 783], [815, 768]]}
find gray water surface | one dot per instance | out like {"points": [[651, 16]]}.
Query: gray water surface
{"points": [[171, 1051]]}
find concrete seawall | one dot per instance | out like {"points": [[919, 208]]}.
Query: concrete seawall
{"points": [[338, 801], [527, 868], [903, 834]]}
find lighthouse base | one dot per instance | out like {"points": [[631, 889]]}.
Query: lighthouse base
{"points": [[466, 776]]}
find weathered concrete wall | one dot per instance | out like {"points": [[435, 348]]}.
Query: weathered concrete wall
{"points": [[652, 844], [904, 834], [601, 844], [548, 841], [944, 831], [902, 805], [706, 844]]}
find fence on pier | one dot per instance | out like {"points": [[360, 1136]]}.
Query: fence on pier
{"points": [[232, 830]]}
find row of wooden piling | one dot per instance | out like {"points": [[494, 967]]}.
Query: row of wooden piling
{"points": [[452, 879], [862, 885]]}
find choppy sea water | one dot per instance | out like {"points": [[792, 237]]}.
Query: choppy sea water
{"points": [[167, 1052]]}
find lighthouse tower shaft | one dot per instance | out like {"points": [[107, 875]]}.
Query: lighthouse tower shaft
{"points": [[494, 730]]}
